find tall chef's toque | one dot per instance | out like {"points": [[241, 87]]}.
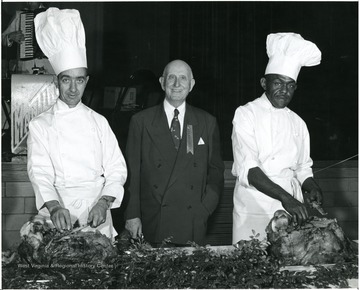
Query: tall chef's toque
{"points": [[61, 36], [288, 52]]}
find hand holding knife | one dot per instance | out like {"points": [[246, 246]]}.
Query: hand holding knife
{"points": [[318, 207]]}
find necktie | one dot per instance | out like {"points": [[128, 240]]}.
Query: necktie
{"points": [[175, 129]]}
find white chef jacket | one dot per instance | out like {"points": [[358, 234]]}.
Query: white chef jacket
{"points": [[74, 158], [276, 141]]}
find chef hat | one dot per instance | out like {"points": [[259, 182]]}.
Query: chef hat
{"points": [[61, 36], [288, 52]]}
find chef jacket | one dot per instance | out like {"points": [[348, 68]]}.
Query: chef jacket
{"points": [[276, 141], [74, 158]]}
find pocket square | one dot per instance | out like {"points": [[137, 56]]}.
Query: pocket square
{"points": [[201, 141]]}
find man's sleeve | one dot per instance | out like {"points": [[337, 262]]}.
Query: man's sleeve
{"points": [[39, 166], [13, 26], [215, 177], [133, 156], [114, 166], [245, 150], [303, 170]]}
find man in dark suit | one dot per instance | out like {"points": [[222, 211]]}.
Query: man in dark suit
{"points": [[175, 176]]}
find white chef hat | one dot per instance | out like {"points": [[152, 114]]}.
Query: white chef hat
{"points": [[288, 52], [61, 36]]}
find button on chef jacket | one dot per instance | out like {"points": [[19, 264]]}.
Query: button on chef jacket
{"points": [[276, 141], [74, 158]]}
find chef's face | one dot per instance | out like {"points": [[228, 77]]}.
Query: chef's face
{"points": [[177, 82], [72, 84], [279, 89]]}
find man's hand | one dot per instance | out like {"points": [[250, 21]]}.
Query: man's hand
{"points": [[314, 195], [16, 36], [134, 226], [97, 215], [261, 182], [297, 209], [312, 192], [59, 215]]}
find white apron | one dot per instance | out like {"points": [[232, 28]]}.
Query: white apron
{"points": [[253, 209], [79, 202]]}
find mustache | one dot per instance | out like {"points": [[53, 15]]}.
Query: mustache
{"points": [[281, 95]]}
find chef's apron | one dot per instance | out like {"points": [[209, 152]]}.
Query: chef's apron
{"points": [[253, 209], [79, 208]]}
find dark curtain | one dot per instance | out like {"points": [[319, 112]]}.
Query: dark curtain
{"points": [[206, 35], [225, 44]]}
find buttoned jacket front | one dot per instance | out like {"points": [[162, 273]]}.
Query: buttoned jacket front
{"points": [[173, 192], [277, 141], [74, 158]]}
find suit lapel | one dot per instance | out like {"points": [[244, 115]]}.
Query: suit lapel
{"points": [[161, 137]]}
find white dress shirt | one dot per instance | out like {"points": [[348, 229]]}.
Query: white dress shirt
{"points": [[169, 111]]}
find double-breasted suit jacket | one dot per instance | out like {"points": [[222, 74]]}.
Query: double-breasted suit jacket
{"points": [[173, 192]]}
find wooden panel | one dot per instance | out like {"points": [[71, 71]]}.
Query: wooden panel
{"points": [[15, 176], [13, 205], [348, 199], [10, 239], [334, 184], [16, 221], [16, 189], [3, 189], [13, 166], [14, 172], [343, 213], [30, 206], [350, 228]]}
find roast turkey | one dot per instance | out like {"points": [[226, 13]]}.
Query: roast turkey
{"points": [[42, 244], [318, 241]]}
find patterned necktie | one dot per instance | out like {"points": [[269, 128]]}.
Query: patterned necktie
{"points": [[175, 129]]}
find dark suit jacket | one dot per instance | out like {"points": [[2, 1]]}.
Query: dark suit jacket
{"points": [[173, 192]]}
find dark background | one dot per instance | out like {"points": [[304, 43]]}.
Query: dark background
{"points": [[224, 43]]}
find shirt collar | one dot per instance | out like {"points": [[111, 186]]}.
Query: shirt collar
{"points": [[169, 109]]}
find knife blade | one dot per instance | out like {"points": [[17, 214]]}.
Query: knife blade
{"points": [[318, 207], [79, 228]]}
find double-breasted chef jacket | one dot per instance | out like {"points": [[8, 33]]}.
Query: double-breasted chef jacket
{"points": [[277, 141], [74, 158]]}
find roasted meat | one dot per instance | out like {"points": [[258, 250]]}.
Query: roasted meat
{"points": [[42, 244], [319, 241]]}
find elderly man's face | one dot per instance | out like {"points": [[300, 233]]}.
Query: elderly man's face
{"points": [[72, 84], [177, 82], [279, 89]]}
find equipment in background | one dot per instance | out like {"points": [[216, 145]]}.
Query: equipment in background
{"points": [[30, 96], [120, 98], [27, 47]]}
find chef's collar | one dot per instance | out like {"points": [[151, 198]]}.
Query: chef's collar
{"points": [[62, 106], [269, 106]]}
